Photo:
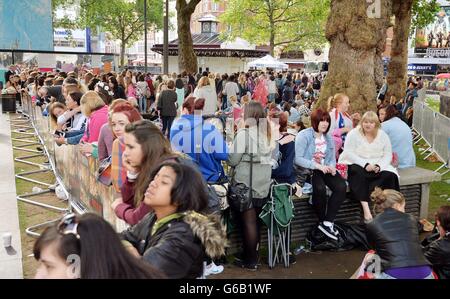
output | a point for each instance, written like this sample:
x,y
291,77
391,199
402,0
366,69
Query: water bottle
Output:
x,y
299,250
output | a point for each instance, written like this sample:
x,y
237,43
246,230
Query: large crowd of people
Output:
x,y
162,166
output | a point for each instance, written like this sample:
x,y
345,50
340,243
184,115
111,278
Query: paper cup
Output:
x,y
7,238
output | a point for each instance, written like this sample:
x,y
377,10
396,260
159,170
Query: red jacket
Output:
x,y
150,85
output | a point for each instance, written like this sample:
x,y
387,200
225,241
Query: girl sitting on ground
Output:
x,y
438,252
394,235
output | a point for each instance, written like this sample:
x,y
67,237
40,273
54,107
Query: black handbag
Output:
x,y
240,196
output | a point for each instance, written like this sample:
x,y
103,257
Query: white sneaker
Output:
x,y
212,269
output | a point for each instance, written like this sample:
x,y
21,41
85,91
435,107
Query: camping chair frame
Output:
x,y
277,241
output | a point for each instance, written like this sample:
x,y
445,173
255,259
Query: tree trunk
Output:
x,y
397,74
187,60
272,42
356,37
122,54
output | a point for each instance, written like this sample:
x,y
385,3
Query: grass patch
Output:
x,y
439,191
433,103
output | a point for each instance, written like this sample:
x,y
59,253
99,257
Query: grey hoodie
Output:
x,y
249,141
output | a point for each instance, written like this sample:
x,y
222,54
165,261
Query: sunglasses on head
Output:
x,y
69,225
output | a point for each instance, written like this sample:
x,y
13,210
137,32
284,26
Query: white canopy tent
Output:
x,y
267,62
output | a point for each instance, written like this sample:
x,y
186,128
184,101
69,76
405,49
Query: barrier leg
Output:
x,y
28,139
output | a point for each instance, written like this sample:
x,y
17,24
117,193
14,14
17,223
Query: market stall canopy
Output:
x,y
443,76
268,62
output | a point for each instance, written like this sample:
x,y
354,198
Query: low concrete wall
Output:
x,y
414,185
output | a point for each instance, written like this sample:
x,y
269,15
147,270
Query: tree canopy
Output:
x,y
123,19
291,24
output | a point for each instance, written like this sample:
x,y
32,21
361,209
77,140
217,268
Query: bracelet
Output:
x,y
366,166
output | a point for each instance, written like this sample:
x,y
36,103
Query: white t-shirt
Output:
x,y
271,86
231,89
321,147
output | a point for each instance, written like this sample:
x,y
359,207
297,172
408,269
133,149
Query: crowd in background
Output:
x,y
167,142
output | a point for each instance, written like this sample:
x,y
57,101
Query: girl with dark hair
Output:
x,y
87,247
250,155
314,149
174,237
400,136
438,251
77,120
284,170
118,90
145,147
167,107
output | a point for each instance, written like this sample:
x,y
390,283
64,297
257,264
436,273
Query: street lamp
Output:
x,y
166,40
145,36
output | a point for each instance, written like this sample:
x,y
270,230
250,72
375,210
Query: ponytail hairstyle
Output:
x,y
384,199
335,100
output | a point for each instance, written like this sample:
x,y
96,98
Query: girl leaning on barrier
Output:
x,y
86,247
175,237
145,147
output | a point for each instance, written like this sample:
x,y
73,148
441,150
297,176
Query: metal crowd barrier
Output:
x,y
433,128
28,136
75,172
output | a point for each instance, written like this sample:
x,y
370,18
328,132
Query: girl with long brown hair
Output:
x,y
145,147
250,155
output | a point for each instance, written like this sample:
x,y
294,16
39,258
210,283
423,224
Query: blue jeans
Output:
x,y
143,104
74,137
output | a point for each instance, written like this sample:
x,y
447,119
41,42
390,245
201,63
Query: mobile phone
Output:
x,y
59,133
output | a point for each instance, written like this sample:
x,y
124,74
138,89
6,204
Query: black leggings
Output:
x,y
167,124
327,209
250,227
362,182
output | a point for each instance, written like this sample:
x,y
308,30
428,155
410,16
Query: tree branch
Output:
x,y
289,4
294,40
190,7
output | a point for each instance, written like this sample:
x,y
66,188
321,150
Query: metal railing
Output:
x,y
28,136
433,128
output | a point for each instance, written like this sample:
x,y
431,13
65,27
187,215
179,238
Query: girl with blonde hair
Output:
x,y
341,120
395,238
368,154
206,91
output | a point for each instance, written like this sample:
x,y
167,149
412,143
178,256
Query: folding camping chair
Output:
x,y
277,214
